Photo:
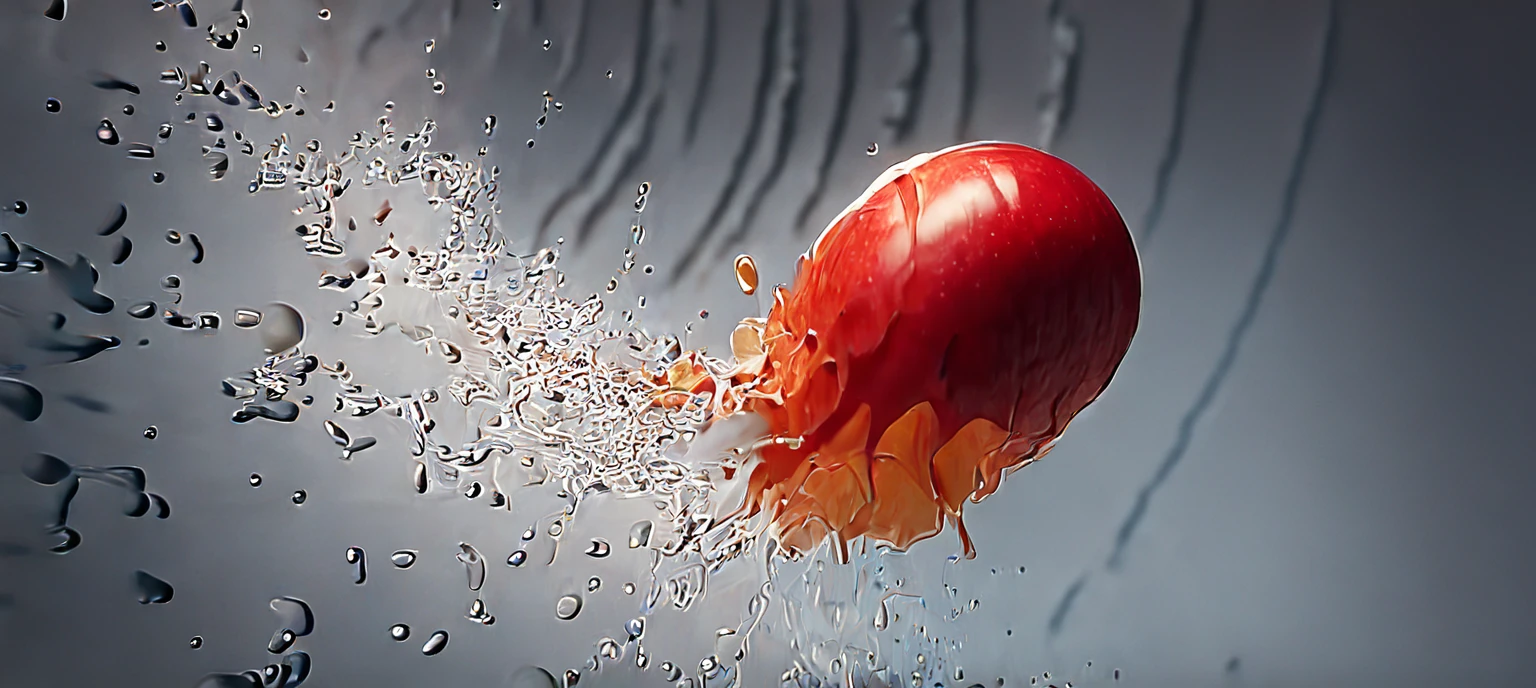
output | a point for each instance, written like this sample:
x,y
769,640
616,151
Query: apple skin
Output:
x,y
989,284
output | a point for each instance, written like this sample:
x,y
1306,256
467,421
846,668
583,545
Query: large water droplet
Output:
x,y
106,133
359,561
294,614
152,590
640,534
474,565
567,607
746,274
21,398
598,549
403,558
282,328
400,632
436,643
532,677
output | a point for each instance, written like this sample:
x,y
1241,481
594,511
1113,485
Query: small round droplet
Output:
x,y
106,133
609,74
872,149
151,432
196,642
53,105
172,236
429,45
19,207
746,274
517,558
703,315
299,496
170,282
255,480
567,607
128,109
403,559
400,632
436,643
594,584
530,143
159,46
628,588
598,549
439,87
547,44
325,15
495,4
158,177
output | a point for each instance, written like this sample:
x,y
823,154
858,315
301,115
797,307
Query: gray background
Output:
x,y
1328,414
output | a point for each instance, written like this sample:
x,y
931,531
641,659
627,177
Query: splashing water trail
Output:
x,y
845,427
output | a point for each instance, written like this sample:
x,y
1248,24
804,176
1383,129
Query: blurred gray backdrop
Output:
x,y
1313,466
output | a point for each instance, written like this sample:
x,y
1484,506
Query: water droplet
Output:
x,y
530,143
746,274
547,44
629,588
594,584
474,565
400,632
282,328
429,45
128,109
532,677
157,177
598,549
436,643
159,46
281,641
403,558
245,318
196,642
170,282
151,432
359,561
325,14
872,148
152,590
490,125
255,480
517,558
299,496
439,87
703,315
635,627
609,74
640,534
53,105
106,133
567,607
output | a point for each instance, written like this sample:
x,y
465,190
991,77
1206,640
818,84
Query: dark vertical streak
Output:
x,y
706,73
970,68
1256,292
846,83
1064,606
570,59
638,147
909,86
1061,80
629,162
369,40
1175,144
789,110
535,13
743,155
605,142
